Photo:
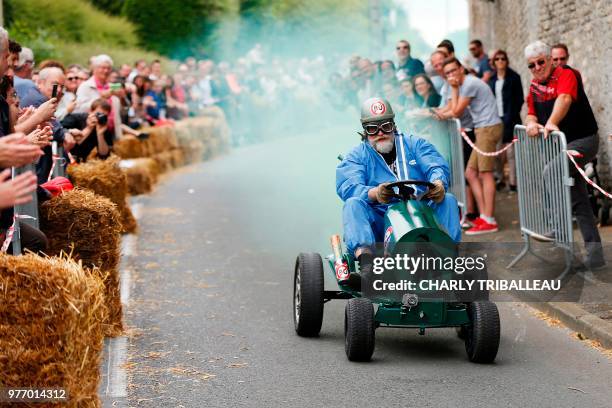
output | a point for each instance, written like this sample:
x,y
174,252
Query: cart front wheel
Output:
x,y
482,335
308,294
359,329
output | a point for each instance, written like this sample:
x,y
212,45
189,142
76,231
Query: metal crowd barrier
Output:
x,y
24,213
28,210
59,169
456,162
446,137
28,213
544,182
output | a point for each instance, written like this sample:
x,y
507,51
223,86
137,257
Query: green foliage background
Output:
x,y
73,30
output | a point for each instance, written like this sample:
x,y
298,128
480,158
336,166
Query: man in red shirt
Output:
x,y
557,102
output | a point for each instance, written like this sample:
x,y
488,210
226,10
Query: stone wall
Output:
x,y
584,25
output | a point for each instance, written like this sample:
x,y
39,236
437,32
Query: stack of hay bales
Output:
x,y
129,147
87,226
50,327
142,174
105,178
187,133
220,132
171,146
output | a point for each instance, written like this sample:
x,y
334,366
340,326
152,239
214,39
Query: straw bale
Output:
x,y
87,226
164,161
141,174
51,332
177,158
128,147
193,151
104,177
159,139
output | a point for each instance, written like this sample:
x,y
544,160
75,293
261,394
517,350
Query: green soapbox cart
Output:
x,y
408,221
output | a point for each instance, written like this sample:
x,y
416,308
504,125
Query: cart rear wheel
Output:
x,y
461,332
359,329
308,294
482,335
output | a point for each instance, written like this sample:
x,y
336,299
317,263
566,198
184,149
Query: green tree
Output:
x,y
112,7
176,29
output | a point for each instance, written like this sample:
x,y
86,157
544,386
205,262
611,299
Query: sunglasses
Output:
x,y
560,59
73,78
403,47
539,62
372,129
500,59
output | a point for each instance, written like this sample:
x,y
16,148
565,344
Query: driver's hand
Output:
x,y
384,194
436,193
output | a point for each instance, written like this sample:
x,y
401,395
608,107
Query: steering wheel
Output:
x,y
406,191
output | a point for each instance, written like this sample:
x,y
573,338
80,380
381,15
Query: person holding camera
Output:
x,y
94,132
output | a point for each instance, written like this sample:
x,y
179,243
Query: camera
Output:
x,y
102,118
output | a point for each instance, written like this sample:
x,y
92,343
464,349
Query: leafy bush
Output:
x,y
71,31
70,20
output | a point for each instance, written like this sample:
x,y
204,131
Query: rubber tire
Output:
x,y
461,332
359,329
482,337
309,268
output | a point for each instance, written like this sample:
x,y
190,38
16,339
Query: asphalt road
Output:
x,y
210,308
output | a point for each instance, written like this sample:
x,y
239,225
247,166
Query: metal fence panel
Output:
x,y
29,209
545,211
59,170
446,137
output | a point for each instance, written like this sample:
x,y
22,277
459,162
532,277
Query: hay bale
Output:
x,y
105,178
177,158
164,161
193,151
51,334
88,227
141,174
128,147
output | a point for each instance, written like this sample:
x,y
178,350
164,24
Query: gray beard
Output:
x,y
384,146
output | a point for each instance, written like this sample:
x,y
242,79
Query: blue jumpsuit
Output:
x,y
364,168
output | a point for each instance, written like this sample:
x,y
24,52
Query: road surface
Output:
x,y
210,306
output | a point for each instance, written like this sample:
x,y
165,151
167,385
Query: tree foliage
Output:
x,y
112,7
175,28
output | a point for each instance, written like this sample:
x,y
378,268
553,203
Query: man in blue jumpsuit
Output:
x,y
385,156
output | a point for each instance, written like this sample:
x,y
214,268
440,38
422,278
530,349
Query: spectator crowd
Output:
x,y
486,95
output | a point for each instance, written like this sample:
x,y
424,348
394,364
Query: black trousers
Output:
x,y
581,207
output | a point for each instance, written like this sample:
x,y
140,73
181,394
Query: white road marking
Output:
x,y
116,357
116,380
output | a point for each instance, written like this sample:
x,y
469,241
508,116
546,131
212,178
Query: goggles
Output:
x,y
372,129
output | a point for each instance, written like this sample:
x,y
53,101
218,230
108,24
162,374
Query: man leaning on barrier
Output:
x,y
557,102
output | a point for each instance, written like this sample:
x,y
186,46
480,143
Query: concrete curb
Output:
x,y
578,319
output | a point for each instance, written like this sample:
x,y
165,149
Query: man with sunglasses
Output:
x,y
407,67
560,54
384,156
557,101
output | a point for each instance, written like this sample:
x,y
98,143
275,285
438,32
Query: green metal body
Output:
x,y
409,222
